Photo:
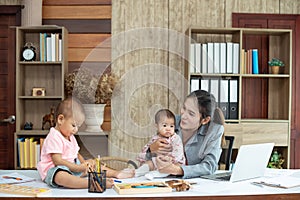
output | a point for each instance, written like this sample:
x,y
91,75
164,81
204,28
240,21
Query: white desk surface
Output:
x,y
202,188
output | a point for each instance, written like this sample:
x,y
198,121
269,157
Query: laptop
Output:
x,y
251,162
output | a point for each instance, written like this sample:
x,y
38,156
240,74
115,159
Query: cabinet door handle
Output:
x,y
11,119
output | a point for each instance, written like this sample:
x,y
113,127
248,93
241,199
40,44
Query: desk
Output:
x,y
204,189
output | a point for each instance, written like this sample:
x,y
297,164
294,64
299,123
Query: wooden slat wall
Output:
x,y
175,15
89,26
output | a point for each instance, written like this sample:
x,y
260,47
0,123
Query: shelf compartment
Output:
x,y
47,76
270,98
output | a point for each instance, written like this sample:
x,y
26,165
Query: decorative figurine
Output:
x,y
28,126
50,118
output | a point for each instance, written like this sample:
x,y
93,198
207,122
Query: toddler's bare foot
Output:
x,y
125,173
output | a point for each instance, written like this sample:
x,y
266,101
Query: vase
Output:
x,y
106,125
93,117
275,69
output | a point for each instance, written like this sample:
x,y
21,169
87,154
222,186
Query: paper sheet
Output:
x,y
13,178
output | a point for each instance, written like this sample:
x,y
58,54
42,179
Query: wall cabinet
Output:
x,y
263,100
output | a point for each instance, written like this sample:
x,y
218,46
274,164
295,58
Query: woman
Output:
x,y
201,138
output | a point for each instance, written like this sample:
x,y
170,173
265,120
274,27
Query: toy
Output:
x,y
179,185
23,190
49,118
142,188
28,126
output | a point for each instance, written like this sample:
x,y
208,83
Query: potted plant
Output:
x,y
94,90
275,65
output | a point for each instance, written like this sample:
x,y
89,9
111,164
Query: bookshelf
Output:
x,y
40,83
263,100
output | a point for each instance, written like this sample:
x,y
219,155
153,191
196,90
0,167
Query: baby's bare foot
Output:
x,y
126,173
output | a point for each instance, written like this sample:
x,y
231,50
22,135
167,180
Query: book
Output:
x,y
255,67
21,156
42,47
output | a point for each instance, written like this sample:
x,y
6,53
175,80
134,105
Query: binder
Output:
x,y
204,84
192,58
224,97
198,57
195,84
216,58
229,57
236,58
233,99
210,58
223,58
214,89
204,59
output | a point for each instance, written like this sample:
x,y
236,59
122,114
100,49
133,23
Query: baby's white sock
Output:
x,y
142,170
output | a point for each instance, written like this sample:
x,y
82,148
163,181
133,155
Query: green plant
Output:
x,y
276,62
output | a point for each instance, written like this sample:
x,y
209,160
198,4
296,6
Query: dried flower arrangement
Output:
x,y
89,87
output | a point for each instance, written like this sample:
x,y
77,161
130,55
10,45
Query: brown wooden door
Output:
x,y
10,16
283,21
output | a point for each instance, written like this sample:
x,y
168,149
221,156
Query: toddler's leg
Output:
x,y
67,180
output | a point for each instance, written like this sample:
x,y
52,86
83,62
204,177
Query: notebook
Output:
x,y
251,162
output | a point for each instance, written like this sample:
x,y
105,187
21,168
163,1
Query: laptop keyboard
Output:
x,y
223,176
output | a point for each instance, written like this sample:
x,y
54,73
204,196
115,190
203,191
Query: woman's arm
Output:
x,y
208,155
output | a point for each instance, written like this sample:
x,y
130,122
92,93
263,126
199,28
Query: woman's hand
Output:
x,y
165,165
161,146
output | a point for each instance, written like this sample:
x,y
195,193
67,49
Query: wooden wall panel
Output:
x,y
89,40
79,12
76,2
89,26
175,15
81,25
89,54
142,61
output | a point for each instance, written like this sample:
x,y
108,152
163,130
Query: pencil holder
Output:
x,y
97,182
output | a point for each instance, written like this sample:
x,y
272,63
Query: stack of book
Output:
x,y
50,47
29,150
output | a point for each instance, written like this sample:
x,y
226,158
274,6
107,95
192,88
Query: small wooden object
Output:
x,y
179,185
142,188
23,190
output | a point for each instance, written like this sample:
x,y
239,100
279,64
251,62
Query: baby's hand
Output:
x,y
91,163
109,182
